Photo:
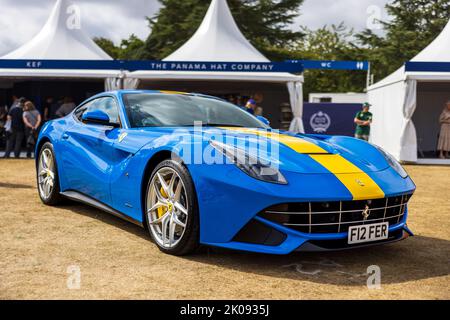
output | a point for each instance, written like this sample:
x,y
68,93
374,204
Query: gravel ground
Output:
x,y
41,246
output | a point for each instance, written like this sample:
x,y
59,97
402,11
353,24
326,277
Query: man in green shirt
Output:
x,y
363,119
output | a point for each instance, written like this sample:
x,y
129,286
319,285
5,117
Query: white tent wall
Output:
x,y
387,118
394,101
113,84
296,100
408,138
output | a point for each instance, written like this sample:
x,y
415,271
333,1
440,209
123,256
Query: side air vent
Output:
x,y
256,232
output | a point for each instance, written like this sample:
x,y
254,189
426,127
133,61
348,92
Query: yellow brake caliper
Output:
x,y
162,210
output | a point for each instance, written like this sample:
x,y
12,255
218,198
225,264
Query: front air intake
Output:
x,y
337,216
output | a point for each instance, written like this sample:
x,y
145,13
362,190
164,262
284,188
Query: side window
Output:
x,y
109,106
82,109
106,104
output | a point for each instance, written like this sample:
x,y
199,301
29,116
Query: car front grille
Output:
x,y
337,216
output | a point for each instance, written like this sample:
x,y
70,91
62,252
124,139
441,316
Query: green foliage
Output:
x,y
330,43
129,49
108,46
264,22
413,25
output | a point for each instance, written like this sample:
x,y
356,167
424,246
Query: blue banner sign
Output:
x,y
290,66
153,65
332,64
330,118
62,64
427,66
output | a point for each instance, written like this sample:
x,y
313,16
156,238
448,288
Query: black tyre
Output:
x,y
171,209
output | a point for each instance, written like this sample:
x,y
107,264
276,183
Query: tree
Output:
x,y
264,22
330,43
108,46
129,49
412,26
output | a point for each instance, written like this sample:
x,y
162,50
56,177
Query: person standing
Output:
x,y
3,128
16,134
15,101
258,98
363,120
65,108
250,106
32,120
50,109
444,135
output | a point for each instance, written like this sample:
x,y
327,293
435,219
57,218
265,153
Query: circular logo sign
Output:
x,y
320,122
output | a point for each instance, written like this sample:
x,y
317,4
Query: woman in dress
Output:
x,y
444,136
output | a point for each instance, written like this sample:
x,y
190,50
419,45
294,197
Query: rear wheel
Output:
x,y
47,176
171,209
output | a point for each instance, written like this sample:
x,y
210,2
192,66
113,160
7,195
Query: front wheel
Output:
x,y
171,209
47,176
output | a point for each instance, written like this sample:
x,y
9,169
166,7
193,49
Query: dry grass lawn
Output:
x,y
118,261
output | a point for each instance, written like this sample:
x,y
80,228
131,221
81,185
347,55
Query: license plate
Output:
x,y
368,232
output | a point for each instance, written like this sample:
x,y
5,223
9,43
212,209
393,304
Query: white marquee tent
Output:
x,y
405,96
218,39
61,38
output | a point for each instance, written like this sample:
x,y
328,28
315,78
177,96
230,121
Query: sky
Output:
x,y
20,20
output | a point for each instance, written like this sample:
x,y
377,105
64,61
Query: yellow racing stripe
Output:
x,y
171,92
358,183
295,143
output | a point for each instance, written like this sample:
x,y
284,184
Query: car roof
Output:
x,y
168,92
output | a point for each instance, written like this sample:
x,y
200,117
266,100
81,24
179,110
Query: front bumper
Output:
x,y
297,241
229,199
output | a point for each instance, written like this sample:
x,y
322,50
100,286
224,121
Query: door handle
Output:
x,y
65,136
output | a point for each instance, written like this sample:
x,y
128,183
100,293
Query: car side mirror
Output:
x,y
263,120
97,117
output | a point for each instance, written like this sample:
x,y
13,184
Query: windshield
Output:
x,y
173,110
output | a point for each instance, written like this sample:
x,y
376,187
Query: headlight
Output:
x,y
393,162
249,164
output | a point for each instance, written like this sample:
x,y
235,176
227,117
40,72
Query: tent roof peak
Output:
x,y
438,50
217,39
61,38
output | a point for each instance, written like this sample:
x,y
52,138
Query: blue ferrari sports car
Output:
x,y
194,169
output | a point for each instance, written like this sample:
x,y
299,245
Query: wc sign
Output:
x,y
333,64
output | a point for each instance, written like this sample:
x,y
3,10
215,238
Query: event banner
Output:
x,y
290,66
427,66
332,64
330,118
154,65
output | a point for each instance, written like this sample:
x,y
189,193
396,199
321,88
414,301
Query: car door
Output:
x,y
89,150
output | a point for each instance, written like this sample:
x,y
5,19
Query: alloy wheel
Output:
x,y
46,173
167,207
